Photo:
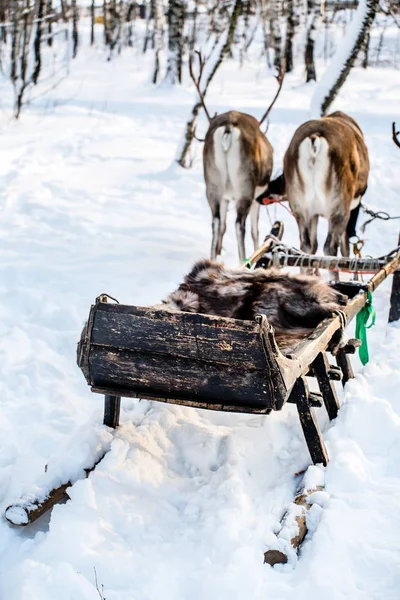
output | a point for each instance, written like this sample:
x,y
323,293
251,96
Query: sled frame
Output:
x,y
286,374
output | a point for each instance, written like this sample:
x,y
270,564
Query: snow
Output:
x,y
185,502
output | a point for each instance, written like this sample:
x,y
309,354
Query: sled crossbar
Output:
x,y
278,258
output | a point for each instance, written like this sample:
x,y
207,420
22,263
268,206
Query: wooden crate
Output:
x,y
194,359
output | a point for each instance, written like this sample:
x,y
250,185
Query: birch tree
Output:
x,y
289,36
176,12
345,57
75,34
276,35
313,12
38,40
220,51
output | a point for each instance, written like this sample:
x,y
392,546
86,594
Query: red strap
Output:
x,y
268,201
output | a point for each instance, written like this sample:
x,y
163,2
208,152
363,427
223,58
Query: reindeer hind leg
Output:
x,y
254,216
222,225
242,209
214,196
313,229
336,234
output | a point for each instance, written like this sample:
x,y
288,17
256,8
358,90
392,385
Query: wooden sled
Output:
x,y
217,363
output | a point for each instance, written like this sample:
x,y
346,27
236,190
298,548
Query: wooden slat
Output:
x,y
129,393
172,376
185,335
333,263
321,368
309,423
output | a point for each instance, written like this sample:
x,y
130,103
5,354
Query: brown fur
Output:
x,y
250,179
294,304
345,184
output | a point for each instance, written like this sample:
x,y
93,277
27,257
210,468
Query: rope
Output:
x,y
268,201
380,214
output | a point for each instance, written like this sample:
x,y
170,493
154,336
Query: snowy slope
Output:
x,y
185,502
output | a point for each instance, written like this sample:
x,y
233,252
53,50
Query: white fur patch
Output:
x,y
314,169
227,158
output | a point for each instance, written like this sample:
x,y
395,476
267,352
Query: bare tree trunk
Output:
x,y
106,23
158,28
15,41
38,41
4,7
193,35
225,49
313,7
75,35
92,20
147,35
130,16
245,29
366,51
289,37
175,41
344,61
380,44
264,16
114,26
49,10
276,35
21,81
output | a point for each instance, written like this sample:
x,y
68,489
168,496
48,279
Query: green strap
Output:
x,y
363,317
247,262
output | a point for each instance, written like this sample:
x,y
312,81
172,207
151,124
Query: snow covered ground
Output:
x,y
185,502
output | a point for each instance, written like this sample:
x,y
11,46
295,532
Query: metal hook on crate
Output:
x,y
357,244
103,298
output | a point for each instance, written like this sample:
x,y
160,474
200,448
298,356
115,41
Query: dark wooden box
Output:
x,y
192,359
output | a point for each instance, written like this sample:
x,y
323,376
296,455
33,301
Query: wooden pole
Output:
x,y
294,520
276,232
26,510
333,263
112,407
394,313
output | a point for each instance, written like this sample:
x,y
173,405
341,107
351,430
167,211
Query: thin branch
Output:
x,y
197,81
97,585
395,135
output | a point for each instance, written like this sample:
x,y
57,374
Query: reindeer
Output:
x,y
325,174
237,161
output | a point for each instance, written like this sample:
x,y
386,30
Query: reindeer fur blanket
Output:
x,y
293,304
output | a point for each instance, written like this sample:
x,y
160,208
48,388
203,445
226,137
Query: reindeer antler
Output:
x,y
197,138
280,77
197,81
395,134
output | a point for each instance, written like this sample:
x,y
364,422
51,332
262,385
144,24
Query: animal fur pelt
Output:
x,y
293,304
